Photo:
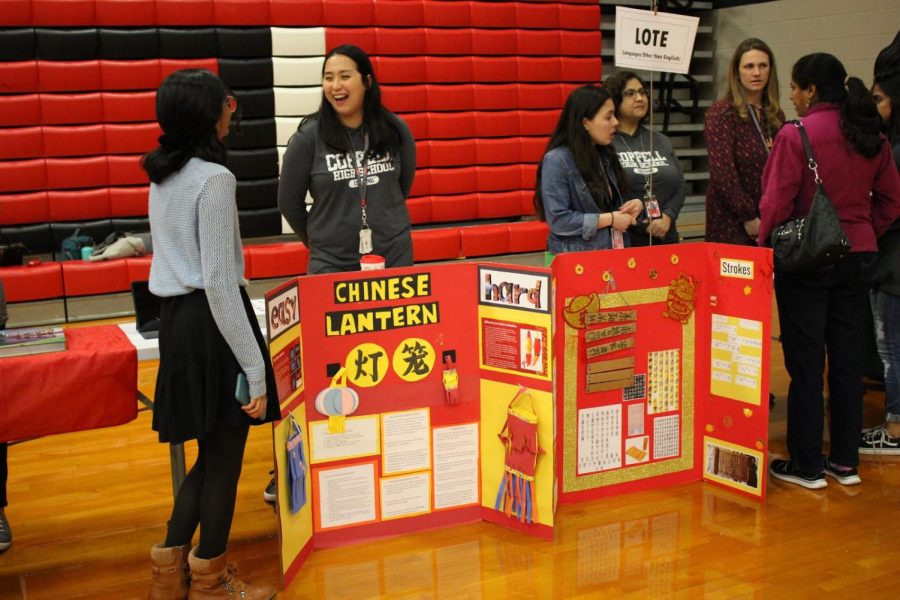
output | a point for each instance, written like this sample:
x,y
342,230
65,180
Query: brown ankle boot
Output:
x,y
216,578
170,574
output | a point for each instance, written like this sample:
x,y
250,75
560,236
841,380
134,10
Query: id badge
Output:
x,y
651,207
618,240
365,241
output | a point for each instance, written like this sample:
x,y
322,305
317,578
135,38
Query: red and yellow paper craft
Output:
x,y
516,496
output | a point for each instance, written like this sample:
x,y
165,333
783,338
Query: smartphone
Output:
x,y
242,390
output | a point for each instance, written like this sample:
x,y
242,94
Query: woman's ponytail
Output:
x,y
860,121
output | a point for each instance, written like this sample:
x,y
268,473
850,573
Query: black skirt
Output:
x,y
198,372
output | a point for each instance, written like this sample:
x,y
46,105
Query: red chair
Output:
x,y
494,97
439,13
21,142
125,12
421,184
277,260
538,42
241,12
83,278
63,12
449,41
538,69
461,207
537,122
452,125
23,175
449,69
69,76
128,201
18,110
126,170
497,124
31,283
498,151
494,41
587,70
435,244
19,77
79,205
348,12
69,173
398,13
400,70
484,240
418,124
131,138
364,37
130,74
531,149
296,12
537,15
453,181
419,209
71,109
405,98
580,43
575,16
77,140
527,236
184,12
493,14
128,107
498,205
541,95
496,179
493,69
450,97
18,209
138,268
17,13
400,41
451,153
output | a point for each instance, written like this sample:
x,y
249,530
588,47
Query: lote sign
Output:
x,y
654,42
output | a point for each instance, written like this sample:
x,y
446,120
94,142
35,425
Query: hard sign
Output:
x,y
654,42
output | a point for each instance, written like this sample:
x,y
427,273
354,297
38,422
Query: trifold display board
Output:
x,y
444,394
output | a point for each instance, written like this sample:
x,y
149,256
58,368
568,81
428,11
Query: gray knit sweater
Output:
x,y
197,245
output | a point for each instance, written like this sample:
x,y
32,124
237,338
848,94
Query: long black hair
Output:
x,y
887,77
860,121
584,103
383,131
189,104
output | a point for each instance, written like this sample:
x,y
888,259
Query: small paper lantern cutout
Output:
x,y
337,401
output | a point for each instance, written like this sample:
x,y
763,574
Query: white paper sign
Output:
x,y
660,42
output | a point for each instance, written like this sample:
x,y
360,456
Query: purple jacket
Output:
x,y
788,184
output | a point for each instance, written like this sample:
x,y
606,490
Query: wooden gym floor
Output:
x,y
85,508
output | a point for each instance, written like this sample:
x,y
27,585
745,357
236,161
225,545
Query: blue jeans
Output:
x,y
886,312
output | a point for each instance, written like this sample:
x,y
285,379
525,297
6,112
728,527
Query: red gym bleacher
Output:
x,y
480,85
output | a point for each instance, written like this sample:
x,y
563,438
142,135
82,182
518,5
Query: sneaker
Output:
x,y
844,476
879,441
785,471
270,494
5,532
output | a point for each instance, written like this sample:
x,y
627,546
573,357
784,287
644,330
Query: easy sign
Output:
x,y
654,42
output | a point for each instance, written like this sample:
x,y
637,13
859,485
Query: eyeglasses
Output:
x,y
632,93
231,103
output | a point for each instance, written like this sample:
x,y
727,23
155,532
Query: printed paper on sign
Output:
x,y
654,42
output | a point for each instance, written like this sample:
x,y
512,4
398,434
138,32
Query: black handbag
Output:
x,y
817,240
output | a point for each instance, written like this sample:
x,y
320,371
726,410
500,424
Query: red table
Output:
x,y
92,384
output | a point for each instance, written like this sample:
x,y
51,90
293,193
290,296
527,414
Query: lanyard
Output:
x,y
767,141
362,168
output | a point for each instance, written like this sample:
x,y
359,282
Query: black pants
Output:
x,y
4,473
207,496
821,314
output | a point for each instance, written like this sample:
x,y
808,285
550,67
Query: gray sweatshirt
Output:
x,y
330,229
662,165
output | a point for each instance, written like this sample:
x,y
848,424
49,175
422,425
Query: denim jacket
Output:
x,y
570,209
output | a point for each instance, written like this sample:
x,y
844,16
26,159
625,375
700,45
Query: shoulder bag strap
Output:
x,y
810,160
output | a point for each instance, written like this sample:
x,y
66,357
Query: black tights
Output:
x,y
207,496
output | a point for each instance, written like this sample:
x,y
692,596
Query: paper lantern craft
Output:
x,y
297,466
337,401
516,496
450,379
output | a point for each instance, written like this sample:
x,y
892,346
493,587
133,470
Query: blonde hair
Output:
x,y
735,92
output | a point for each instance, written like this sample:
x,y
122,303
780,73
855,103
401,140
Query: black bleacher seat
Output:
x,y
252,133
194,42
256,103
17,44
98,230
254,164
67,44
244,42
37,238
253,73
131,225
129,44
257,193
259,223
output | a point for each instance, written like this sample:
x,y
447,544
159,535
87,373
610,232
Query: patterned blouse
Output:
x,y
737,156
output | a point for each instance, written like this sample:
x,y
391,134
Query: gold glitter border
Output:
x,y
574,483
